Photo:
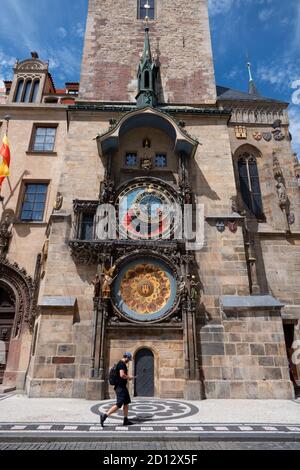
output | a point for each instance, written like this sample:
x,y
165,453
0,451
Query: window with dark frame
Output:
x,y
44,139
143,12
87,226
161,160
34,202
250,185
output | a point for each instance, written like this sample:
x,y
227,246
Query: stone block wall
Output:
x,y
245,357
61,364
168,350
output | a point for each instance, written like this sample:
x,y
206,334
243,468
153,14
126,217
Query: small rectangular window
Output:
x,y
87,226
34,202
43,139
131,160
161,160
146,8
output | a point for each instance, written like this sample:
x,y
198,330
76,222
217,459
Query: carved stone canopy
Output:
x,y
20,287
31,65
147,117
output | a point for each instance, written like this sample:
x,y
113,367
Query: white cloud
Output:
x,y
265,14
6,66
62,32
219,6
294,115
281,72
79,30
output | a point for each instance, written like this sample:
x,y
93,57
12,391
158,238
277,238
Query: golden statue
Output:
x,y
108,279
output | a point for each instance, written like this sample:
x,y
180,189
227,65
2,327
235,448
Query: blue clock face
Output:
x,y
146,212
145,290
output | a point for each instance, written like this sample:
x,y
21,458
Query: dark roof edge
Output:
x,y
226,94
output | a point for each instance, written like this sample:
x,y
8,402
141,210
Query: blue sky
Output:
x,y
266,31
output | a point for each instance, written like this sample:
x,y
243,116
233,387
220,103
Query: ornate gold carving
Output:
x,y
241,132
145,289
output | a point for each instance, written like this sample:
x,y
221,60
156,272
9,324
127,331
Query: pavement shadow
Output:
x,y
142,418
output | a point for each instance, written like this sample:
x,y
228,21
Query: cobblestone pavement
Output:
x,y
128,446
168,421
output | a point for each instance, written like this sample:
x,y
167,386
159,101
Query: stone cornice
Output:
x,y
124,108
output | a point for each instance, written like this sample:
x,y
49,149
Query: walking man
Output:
x,y
123,397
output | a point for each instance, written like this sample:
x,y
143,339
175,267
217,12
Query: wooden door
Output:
x,y
144,371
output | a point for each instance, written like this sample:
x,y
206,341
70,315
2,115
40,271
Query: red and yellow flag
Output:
x,y
4,160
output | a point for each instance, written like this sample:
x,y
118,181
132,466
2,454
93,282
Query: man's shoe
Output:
x,y
127,422
103,418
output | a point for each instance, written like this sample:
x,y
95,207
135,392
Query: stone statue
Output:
x,y
97,286
58,202
194,289
107,191
234,204
5,235
147,163
281,191
107,281
182,289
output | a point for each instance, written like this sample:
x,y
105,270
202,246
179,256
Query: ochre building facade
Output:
x,y
93,261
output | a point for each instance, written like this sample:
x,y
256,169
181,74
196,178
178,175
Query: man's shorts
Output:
x,y
123,397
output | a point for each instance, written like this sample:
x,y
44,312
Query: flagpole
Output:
x,y
7,118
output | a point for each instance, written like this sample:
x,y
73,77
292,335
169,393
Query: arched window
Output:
x,y
143,12
19,91
35,90
249,183
147,79
26,97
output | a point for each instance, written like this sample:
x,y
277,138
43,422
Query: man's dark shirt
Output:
x,y
121,366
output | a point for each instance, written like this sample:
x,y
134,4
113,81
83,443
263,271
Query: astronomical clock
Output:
x,y
145,289
146,211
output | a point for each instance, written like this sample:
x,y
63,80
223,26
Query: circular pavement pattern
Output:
x,y
149,409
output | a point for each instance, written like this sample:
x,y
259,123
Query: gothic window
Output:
x,y
35,90
19,91
87,226
131,160
160,160
27,92
43,139
143,11
147,79
34,202
250,185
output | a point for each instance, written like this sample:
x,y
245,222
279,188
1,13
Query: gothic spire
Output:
x,y
147,74
252,87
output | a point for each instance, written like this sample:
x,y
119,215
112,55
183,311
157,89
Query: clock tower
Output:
x,y
180,40
147,139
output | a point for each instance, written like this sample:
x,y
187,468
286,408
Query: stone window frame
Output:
x,y
22,193
140,7
133,167
254,153
36,126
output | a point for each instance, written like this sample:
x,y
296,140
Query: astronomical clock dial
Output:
x,y
145,290
146,212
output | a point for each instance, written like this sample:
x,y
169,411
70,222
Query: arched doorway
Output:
x,y
17,316
144,372
7,316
